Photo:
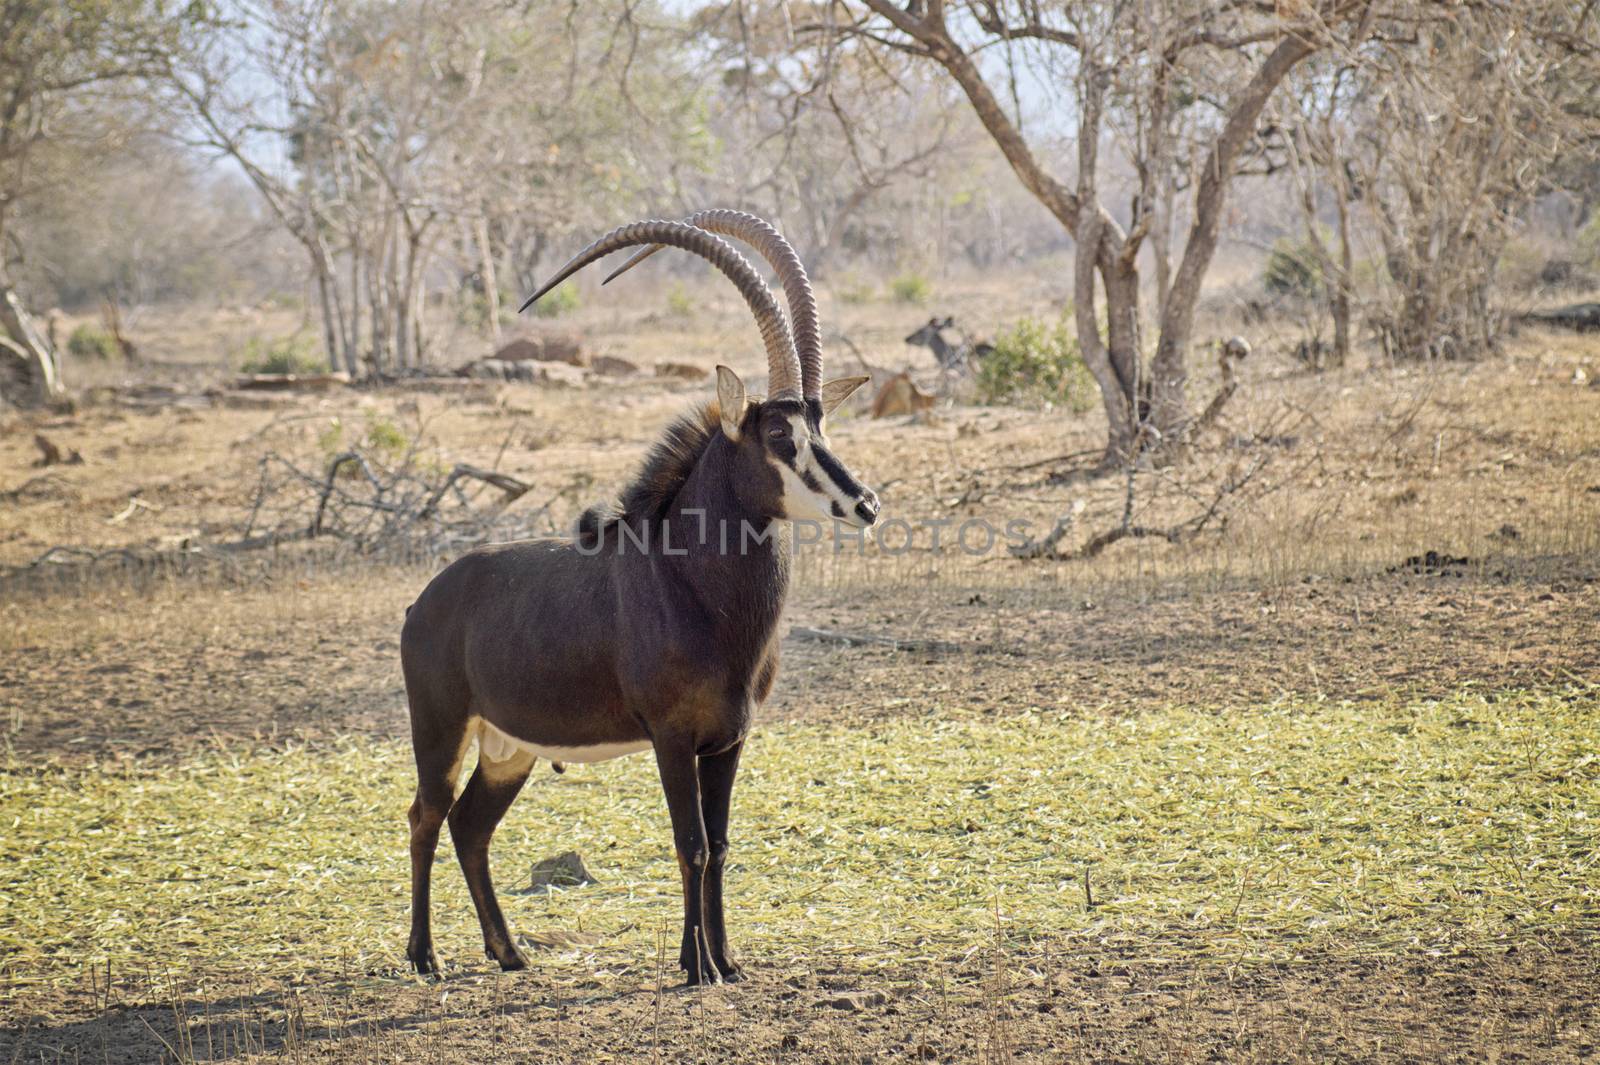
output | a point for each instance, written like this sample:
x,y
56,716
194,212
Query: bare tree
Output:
x,y
1459,123
58,60
386,138
1170,85
1316,122
821,146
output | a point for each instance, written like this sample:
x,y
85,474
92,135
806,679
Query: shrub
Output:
x,y
679,303
563,300
290,354
386,438
473,309
911,288
92,342
380,438
856,291
1291,270
1036,361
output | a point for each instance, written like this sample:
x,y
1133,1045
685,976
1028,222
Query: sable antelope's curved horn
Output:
x,y
785,262
783,365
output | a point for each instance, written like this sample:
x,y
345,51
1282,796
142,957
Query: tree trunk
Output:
x,y
1117,399
1168,374
330,316
1121,283
29,373
486,274
1161,247
1340,302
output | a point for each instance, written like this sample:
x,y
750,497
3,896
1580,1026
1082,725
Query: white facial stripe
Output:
x,y
800,500
830,489
800,503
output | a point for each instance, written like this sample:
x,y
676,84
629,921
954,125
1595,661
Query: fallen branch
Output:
x,y
135,504
1172,534
1227,355
34,486
1046,544
513,487
856,639
339,463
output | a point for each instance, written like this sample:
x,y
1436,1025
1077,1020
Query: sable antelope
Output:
x,y
949,356
655,627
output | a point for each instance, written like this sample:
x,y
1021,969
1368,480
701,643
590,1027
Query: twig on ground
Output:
x,y
1046,544
856,639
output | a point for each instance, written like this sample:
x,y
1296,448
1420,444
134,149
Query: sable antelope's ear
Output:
x,y
837,391
731,401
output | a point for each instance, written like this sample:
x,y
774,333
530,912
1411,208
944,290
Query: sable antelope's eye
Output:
x,y
777,433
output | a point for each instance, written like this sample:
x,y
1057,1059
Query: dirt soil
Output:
x,y
1517,1001
164,672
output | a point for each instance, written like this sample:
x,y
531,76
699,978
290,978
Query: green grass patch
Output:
x,y
92,342
283,355
1260,832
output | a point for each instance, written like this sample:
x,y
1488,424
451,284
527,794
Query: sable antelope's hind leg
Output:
x,y
438,751
716,791
680,780
488,795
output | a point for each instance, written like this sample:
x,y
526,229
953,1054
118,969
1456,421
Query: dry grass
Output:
x,y
1258,833
1359,469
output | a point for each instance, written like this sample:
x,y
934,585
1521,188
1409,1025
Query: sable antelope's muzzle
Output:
x,y
867,508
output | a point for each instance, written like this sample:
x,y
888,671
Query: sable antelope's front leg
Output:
x,y
681,781
716,791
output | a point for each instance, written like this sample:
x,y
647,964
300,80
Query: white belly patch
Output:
x,y
498,746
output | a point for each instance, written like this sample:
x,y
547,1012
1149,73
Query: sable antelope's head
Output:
x,y
783,464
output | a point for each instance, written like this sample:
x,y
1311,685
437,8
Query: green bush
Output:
x,y
679,303
911,288
380,438
1035,361
855,291
1292,269
564,300
92,342
386,438
473,309
290,354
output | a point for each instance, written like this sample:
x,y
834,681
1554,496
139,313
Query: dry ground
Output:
x,y
1300,594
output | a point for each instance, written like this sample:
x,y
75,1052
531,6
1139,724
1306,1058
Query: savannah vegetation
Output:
x,y
1271,737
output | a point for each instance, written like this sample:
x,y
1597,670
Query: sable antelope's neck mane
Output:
x,y
667,466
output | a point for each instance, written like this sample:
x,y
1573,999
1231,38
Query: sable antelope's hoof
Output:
x,y
511,961
733,975
700,975
425,963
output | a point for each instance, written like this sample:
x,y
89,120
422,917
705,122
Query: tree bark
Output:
x,y
1344,283
486,275
1168,372
29,373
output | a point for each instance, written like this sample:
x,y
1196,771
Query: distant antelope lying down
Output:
x,y
656,627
